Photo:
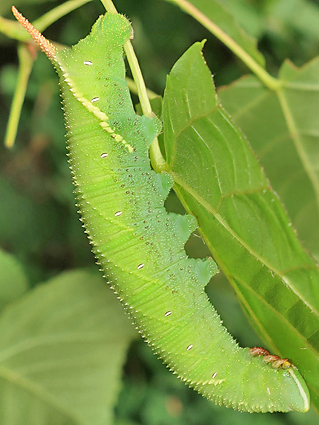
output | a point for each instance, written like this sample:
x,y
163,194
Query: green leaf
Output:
x,y
213,15
301,15
219,180
283,129
14,30
248,16
13,281
61,352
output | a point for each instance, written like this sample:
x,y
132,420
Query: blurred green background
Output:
x,y
38,220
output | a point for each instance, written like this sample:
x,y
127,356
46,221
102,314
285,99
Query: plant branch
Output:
x,y
58,12
14,30
25,67
157,160
269,81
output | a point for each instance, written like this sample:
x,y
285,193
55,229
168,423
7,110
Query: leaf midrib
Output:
x,y
39,392
295,137
33,342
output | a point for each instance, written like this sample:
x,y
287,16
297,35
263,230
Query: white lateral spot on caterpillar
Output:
x,y
104,155
118,213
268,390
140,266
214,375
168,313
189,347
95,99
88,63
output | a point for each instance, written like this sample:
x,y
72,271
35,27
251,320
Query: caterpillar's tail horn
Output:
x,y
45,45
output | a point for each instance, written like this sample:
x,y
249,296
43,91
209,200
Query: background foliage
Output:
x,y
39,226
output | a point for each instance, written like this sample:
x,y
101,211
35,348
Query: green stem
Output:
x,y
134,66
25,67
58,12
269,81
109,6
14,30
138,79
157,160
133,89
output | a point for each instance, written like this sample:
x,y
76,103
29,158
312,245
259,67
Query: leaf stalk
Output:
x,y
157,160
269,81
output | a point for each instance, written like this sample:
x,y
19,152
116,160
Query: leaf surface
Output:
x,y
219,180
61,352
283,129
13,281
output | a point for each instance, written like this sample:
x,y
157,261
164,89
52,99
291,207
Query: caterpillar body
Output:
x,y
139,245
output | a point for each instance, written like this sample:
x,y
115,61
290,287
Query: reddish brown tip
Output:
x,y
41,41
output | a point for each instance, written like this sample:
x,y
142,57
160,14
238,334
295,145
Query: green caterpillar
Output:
x,y
140,246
